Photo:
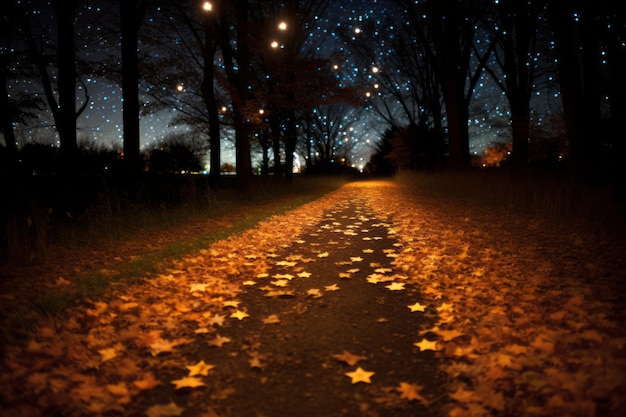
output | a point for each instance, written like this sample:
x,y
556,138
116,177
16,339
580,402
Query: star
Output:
x,y
271,319
286,263
395,286
322,255
411,392
239,315
249,283
345,275
304,274
360,375
200,368
314,292
426,345
416,307
368,250
217,319
349,358
231,303
333,287
356,259
218,341
188,381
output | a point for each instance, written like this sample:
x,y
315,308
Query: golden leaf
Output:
x,y
360,375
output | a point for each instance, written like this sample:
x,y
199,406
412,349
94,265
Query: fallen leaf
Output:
x,y
349,358
188,382
201,368
360,375
239,315
271,319
411,392
416,307
146,382
218,341
168,410
426,345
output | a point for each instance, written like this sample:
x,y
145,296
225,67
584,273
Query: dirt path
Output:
x,y
372,301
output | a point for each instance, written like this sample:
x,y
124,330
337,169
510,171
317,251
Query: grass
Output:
x,y
555,197
228,211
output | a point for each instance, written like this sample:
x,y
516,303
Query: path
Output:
x,y
376,300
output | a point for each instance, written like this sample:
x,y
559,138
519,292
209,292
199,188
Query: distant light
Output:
x,y
375,70
261,111
180,88
357,30
274,44
207,6
282,26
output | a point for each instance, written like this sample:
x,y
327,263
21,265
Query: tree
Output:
x,y
62,104
131,14
582,32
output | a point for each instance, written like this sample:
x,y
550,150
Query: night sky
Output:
x,y
101,123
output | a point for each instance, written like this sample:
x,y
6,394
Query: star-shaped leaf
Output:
x,y
162,346
360,375
148,381
272,319
426,345
239,315
167,410
218,341
349,358
217,319
188,382
411,392
200,368
314,292
395,286
417,307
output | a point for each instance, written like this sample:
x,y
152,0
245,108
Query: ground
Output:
x,y
375,300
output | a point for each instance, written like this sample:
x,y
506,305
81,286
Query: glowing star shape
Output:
x,y
314,292
239,315
333,287
218,341
304,274
200,368
417,307
162,346
286,263
231,303
217,319
188,382
411,392
322,255
355,259
395,286
368,250
345,275
249,283
360,375
426,345
349,358
284,276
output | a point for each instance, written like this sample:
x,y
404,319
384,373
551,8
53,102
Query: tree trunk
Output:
x,y
7,112
129,19
210,99
65,11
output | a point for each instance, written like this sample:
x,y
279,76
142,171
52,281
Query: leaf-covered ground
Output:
x,y
375,300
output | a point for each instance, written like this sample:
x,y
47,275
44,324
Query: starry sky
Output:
x,y
101,123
